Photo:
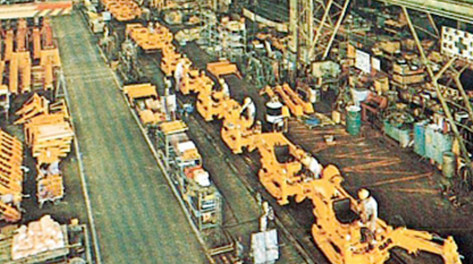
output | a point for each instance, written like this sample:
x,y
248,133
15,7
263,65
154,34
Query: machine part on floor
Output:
x,y
188,35
171,59
291,99
237,130
223,67
45,241
184,163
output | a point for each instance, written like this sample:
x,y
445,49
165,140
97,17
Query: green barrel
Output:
x,y
449,164
353,120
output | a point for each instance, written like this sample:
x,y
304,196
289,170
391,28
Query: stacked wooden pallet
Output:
x,y
49,135
11,177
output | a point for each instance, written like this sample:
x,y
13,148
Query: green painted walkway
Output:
x,y
137,217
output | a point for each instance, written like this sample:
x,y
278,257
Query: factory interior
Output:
x,y
236,131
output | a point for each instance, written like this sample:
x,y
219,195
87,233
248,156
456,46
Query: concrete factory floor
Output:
x,y
137,217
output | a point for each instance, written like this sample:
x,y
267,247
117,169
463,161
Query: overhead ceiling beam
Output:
x,y
453,9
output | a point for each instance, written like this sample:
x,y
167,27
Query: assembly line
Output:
x,y
236,131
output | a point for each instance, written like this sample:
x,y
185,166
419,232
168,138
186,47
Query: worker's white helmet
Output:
x,y
221,81
247,100
363,194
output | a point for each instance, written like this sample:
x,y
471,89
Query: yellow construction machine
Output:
x,y
337,230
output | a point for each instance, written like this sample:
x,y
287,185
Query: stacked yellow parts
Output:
x,y
49,134
11,177
123,10
152,38
151,111
24,75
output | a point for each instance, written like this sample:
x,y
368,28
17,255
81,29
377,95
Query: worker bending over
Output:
x,y
368,209
314,168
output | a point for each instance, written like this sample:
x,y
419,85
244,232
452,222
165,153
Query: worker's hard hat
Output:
x,y
363,194
221,80
247,100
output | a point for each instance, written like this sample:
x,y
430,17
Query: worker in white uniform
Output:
x,y
178,74
170,99
224,86
368,209
312,165
250,107
315,168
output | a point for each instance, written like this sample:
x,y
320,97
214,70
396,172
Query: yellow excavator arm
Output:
x,y
414,241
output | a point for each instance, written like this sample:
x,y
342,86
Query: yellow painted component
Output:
x,y
49,155
195,82
11,175
306,106
223,67
123,10
9,213
160,38
49,60
149,117
36,43
291,99
170,60
20,65
34,106
137,91
9,44
173,127
50,188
